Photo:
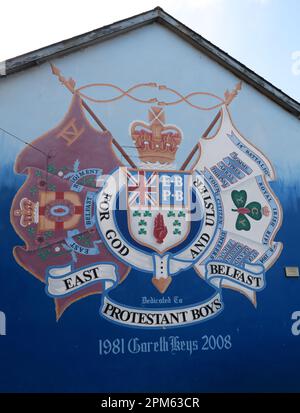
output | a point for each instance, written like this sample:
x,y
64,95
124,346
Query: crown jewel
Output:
x,y
156,141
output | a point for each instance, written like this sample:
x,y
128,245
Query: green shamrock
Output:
x,y
253,210
147,214
176,231
136,213
142,231
142,222
31,231
176,223
171,214
51,169
33,190
181,214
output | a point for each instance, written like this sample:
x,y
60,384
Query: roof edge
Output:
x,y
38,56
232,64
157,14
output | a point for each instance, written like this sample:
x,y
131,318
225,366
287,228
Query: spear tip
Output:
x,y
229,96
238,86
55,69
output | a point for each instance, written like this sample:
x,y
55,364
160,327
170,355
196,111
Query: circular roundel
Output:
x,y
59,210
132,235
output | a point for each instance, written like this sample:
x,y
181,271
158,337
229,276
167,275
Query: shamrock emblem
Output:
x,y
147,214
142,231
136,213
171,214
142,222
176,223
253,210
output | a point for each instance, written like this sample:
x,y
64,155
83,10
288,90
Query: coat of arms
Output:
x,y
88,219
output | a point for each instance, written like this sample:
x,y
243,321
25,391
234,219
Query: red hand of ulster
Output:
x,y
160,230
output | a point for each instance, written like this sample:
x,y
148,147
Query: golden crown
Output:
x,y
156,141
28,212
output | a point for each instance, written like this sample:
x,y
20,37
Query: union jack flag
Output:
x,y
142,188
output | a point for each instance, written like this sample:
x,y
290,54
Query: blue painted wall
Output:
x,y
40,354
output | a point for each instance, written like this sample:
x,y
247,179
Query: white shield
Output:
x,y
158,207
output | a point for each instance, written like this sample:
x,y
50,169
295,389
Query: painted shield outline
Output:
x,y
175,217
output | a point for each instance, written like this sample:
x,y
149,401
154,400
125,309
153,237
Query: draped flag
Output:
x,y
240,173
53,212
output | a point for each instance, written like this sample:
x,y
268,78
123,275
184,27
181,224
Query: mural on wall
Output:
x,y
88,220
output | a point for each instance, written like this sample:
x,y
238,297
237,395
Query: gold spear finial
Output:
x,y
68,83
229,96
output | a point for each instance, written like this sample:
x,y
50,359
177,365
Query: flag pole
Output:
x,y
70,85
229,96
